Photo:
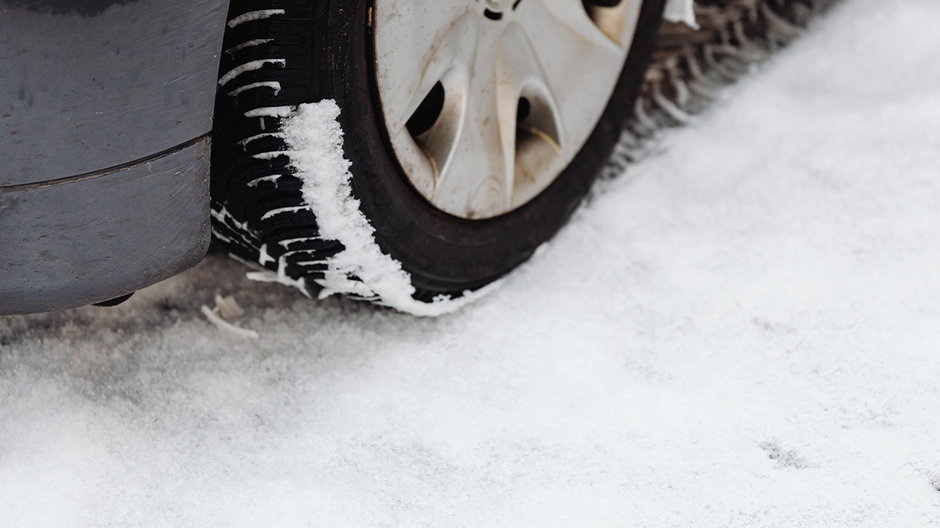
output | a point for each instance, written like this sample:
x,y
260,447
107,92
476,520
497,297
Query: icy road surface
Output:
x,y
743,331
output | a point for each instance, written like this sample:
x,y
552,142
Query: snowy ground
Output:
x,y
742,331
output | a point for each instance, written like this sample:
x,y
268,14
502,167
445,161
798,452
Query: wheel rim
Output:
x,y
487,101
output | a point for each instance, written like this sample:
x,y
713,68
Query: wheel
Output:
x,y
411,152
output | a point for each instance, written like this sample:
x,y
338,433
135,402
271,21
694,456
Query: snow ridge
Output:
x,y
681,11
314,140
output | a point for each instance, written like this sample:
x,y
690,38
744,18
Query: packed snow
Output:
x,y
740,331
681,11
314,140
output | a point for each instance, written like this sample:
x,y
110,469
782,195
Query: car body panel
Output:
x,y
91,84
86,240
105,111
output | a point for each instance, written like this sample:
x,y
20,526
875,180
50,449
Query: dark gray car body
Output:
x,y
105,113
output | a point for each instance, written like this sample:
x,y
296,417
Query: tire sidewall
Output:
x,y
444,253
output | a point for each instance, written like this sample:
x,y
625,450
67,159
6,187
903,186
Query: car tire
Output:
x,y
278,54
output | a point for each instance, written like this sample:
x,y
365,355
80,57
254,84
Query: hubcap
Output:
x,y
487,101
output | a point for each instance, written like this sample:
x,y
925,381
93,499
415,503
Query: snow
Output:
x,y
273,85
681,11
314,139
248,44
213,316
246,67
740,331
271,111
251,16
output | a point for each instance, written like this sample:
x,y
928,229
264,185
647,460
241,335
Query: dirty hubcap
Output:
x,y
487,101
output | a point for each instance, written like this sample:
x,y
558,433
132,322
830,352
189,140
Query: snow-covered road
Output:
x,y
744,330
